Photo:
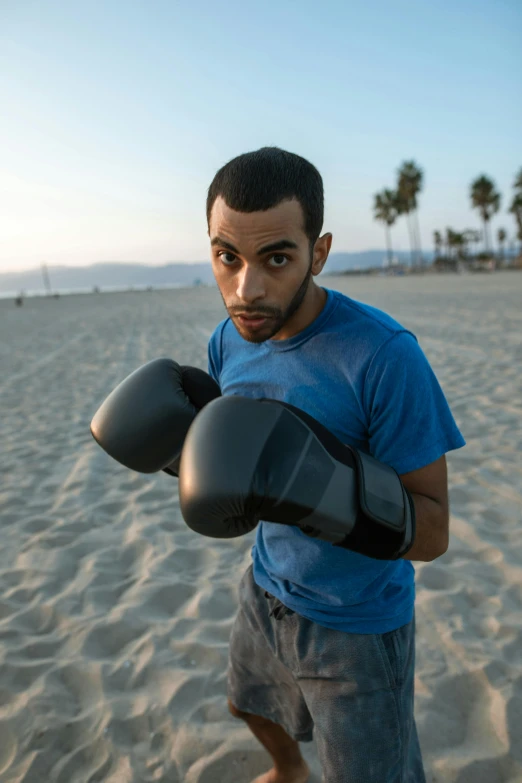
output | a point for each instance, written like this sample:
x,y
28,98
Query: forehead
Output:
x,y
285,219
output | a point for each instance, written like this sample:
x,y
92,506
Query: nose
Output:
x,y
250,287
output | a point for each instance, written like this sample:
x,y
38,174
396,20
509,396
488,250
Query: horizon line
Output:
x,y
159,264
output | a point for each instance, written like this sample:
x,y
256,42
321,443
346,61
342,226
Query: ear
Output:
x,y
321,250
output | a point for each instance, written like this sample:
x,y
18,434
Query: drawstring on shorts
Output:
x,y
278,610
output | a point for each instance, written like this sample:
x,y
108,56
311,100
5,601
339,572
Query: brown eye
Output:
x,y
227,261
279,259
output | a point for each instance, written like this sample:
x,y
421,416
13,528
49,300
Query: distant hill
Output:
x,y
366,259
106,276
124,275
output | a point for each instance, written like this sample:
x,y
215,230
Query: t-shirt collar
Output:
x,y
315,326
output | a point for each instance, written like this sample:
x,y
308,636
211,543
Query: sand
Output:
x,y
115,618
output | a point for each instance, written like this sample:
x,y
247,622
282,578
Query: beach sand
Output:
x,y
115,617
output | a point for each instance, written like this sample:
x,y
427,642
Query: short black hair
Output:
x,y
260,180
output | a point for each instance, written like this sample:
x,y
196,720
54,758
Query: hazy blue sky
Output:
x,y
116,115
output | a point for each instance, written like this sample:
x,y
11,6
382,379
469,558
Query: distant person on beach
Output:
x,y
323,643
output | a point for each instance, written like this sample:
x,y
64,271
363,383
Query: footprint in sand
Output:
x,y
8,747
109,639
435,577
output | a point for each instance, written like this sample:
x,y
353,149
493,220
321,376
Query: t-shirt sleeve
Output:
x,y
410,423
214,354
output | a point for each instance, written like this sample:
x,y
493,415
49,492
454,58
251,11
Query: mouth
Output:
x,y
252,321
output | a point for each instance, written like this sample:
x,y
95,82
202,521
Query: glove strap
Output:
x,y
385,525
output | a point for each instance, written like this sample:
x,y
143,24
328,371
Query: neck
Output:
x,y
311,307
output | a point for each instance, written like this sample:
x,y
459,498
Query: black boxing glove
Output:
x,y
247,460
143,423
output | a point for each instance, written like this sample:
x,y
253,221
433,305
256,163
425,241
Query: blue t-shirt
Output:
x,y
364,377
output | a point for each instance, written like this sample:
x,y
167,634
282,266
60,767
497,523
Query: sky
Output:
x,y
115,116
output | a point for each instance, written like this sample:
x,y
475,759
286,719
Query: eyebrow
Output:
x,y
282,244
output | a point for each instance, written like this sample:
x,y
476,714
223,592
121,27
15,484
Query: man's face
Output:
x,y
263,267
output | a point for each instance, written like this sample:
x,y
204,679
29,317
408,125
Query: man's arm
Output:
x,y
428,487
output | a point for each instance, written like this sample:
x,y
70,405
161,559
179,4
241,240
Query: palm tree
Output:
x,y
460,245
408,187
437,241
450,241
486,199
456,247
403,208
517,184
385,209
501,236
516,210
464,243
471,237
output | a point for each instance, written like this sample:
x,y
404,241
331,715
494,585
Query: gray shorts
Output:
x,y
352,693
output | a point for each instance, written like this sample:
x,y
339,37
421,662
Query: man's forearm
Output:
x,y
431,537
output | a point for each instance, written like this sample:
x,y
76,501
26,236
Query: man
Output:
x,y
324,639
